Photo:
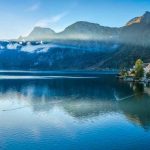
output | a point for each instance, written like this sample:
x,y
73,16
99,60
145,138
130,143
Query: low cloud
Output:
x,y
52,20
58,17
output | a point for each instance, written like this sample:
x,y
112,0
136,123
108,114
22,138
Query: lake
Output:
x,y
72,111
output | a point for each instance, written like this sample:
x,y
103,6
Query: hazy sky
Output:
x,y
18,17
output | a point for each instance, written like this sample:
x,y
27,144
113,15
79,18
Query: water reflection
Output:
x,y
138,89
136,109
75,113
80,98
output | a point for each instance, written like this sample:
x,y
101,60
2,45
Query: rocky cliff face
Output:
x,y
145,19
137,31
135,20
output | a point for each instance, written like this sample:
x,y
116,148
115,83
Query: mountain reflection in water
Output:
x,y
73,111
80,98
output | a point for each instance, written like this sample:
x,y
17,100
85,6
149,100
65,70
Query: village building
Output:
x,y
146,67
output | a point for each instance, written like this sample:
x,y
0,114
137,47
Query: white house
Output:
x,y
147,68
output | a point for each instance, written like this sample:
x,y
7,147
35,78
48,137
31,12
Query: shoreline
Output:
x,y
132,79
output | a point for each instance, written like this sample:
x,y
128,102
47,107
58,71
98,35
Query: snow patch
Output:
x,y
2,47
11,46
39,48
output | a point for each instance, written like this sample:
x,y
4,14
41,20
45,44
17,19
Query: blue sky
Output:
x,y
18,17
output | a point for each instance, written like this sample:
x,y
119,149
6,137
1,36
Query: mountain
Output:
x,y
135,20
89,31
78,31
82,45
51,56
39,33
137,31
145,19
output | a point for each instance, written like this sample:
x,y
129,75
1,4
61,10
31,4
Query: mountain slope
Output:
x,y
136,32
40,33
145,19
82,45
85,30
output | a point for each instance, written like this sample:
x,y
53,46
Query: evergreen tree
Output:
x,y
139,70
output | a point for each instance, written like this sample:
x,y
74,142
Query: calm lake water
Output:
x,y
72,111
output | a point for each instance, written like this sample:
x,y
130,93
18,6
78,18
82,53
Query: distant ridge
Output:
x,y
39,33
136,31
81,46
81,30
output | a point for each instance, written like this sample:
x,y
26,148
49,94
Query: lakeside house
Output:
x,y
139,73
146,67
